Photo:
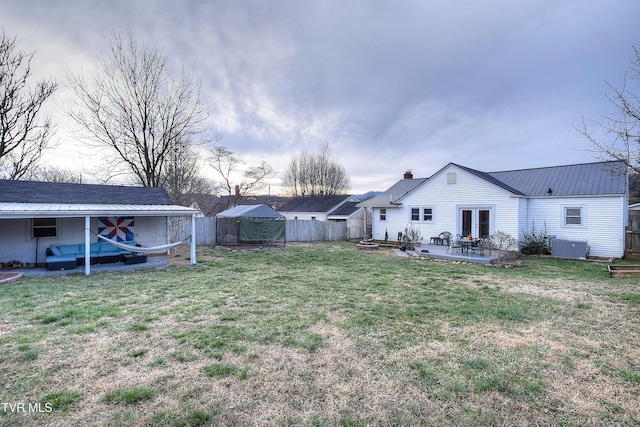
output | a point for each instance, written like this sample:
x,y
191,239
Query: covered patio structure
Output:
x,y
37,215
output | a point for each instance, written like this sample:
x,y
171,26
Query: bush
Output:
x,y
505,245
535,242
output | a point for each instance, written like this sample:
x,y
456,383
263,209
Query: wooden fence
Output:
x,y
632,237
297,230
315,231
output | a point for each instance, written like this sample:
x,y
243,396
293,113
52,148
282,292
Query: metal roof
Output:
x,y
60,210
250,211
587,179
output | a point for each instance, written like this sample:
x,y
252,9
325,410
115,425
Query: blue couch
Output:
x,y
68,257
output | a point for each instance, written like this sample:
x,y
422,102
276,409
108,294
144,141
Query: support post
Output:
x,y
87,245
193,239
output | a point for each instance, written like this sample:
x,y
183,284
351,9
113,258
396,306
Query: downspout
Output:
x,y
193,239
87,245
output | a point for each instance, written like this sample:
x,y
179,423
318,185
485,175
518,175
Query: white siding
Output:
x,y
319,216
16,242
447,199
604,222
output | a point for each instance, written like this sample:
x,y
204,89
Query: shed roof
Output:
x,y
250,211
313,203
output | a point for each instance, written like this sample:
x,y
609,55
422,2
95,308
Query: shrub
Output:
x,y
505,245
535,242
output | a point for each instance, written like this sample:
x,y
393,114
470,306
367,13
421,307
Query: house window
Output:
x,y
427,214
383,214
415,214
45,227
574,216
451,178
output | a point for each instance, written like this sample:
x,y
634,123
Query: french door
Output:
x,y
475,221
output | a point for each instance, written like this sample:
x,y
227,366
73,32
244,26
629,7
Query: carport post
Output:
x,y
87,245
193,239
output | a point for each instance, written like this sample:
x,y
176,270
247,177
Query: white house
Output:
x,y
36,215
583,202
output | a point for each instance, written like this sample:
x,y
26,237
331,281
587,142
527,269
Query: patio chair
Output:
x,y
482,247
453,245
445,236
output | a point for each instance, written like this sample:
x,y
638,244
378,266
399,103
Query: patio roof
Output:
x,y
68,210
33,199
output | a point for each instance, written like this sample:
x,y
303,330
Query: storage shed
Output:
x,y
250,224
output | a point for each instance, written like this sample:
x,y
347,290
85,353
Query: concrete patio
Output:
x,y
443,252
152,262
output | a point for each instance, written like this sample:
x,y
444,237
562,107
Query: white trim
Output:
x,y
583,215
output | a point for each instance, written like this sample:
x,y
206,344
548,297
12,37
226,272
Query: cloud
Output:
x,y
389,84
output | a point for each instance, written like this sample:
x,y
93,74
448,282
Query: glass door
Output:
x,y
475,221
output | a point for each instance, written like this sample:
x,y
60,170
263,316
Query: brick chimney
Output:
x,y
408,174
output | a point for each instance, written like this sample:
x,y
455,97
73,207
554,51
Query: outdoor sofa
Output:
x,y
68,257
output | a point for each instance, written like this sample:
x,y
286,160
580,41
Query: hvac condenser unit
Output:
x,y
569,248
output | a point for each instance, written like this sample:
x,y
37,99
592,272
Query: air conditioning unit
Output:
x,y
569,248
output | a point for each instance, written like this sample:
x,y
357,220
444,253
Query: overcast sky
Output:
x,y
390,84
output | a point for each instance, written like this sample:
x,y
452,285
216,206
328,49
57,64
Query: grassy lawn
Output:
x,y
323,335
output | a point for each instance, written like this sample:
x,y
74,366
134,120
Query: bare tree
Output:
x,y
22,137
132,107
622,128
229,164
182,179
54,174
315,174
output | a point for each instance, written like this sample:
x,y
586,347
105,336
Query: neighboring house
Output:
x,y
337,208
36,215
584,202
314,207
355,218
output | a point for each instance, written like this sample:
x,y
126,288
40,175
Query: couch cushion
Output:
x,y
55,250
69,249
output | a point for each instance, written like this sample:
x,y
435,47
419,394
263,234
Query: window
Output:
x,y
415,214
574,216
45,227
383,214
427,214
451,178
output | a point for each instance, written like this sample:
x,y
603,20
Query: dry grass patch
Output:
x,y
323,335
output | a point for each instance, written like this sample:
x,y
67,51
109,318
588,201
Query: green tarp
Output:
x,y
262,230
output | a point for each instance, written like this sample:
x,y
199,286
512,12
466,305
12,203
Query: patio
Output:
x,y
440,251
152,262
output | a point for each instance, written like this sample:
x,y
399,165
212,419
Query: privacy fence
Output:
x,y
296,230
632,238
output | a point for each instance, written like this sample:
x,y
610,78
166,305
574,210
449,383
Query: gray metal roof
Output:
x,y
59,210
88,194
491,179
250,211
313,203
587,179
390,197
